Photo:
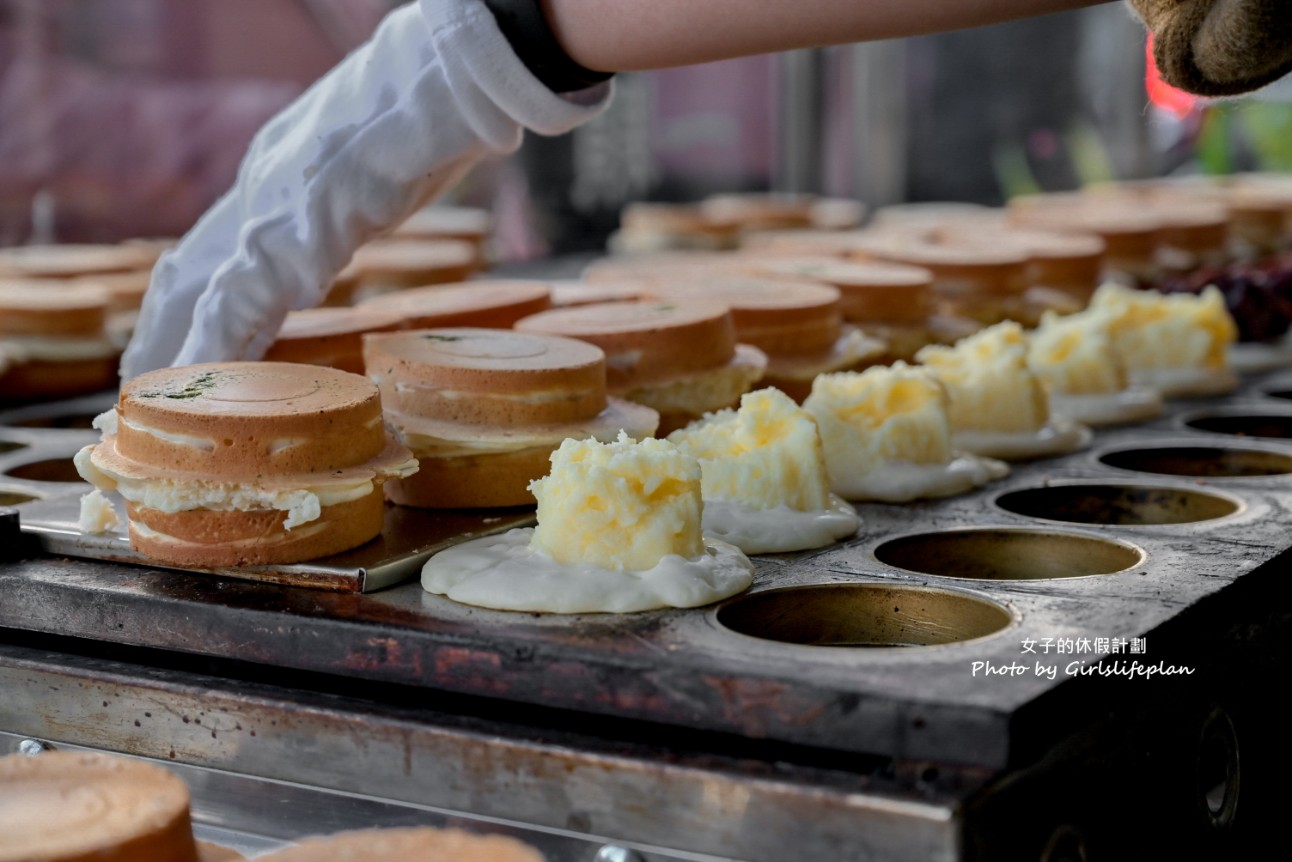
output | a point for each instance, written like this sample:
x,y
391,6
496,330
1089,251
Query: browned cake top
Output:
x,y
402,257
488,376
33,307
312,323
871,291
82,807
125,289
646,342
239,419
1053,258
329,336
486,303
71,261
780,316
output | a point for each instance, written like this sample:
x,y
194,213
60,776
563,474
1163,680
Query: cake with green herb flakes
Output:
x,y
244,463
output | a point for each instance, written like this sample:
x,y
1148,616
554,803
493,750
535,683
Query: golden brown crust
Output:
x,y
409,263
252,417
33,307
677,220
778,316
486,480
801,242
83,807
1195,228
571,293
418,843
870,291
672,420
211,539
1071,262
40,380
1129,231
485,304
682,400
646,342
632,268
958,271
125,289
760,210
73,261
901,341
798,389
488,376
1259,220
259,443
329,336
1077,277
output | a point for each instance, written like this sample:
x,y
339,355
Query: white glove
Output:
x,y
435,89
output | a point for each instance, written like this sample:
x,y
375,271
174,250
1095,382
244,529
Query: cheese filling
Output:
x,y
618,531
1074,355
97,514
206,444
765,455
763,476
989,383
620,505
109,422
427,446
301,505
551,396
887,436
1177,343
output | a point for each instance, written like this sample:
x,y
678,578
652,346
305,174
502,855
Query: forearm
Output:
x,y
627,35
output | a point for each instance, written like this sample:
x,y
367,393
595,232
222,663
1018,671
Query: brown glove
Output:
x,y
1219,47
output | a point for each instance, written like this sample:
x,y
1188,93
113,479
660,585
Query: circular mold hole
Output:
x,y
1008,554
50,470
10,446
1273,425
863,616
1210,462
68,420
14,498
1118,505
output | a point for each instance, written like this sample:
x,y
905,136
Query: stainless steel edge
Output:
x,y
273,765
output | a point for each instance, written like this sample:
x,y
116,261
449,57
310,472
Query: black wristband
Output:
x,y
523,25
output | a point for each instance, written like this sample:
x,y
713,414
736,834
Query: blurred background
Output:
x,y
127,118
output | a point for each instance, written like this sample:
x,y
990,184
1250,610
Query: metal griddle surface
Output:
x,y
684,668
